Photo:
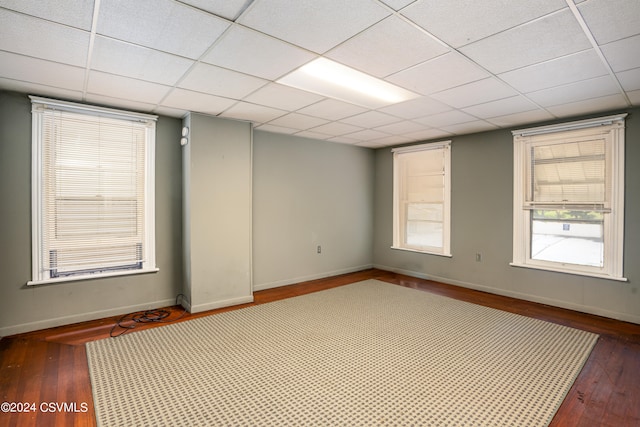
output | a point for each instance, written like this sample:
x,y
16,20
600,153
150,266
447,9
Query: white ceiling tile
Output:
x,y
469,127
26,87
416,108
27,69
630,79
370,119
343,140
501,107
170,112
474,93
314,25
298,121
475,20
252,112
313,135
195,101
250,52
138,62
370,144
385,141
119,87
585,89
337,129
367,135
599,15
221,82
277,129
164,25
399,128
560,71
634,96
517,119
593,105
74,13
444,72
624,54
228,9
387,47
284,97
428,134
332,109
553,36
397,4
126,104
43,39
445,119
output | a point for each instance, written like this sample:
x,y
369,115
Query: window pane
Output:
x,y
572,237
424,224
422,233
425,212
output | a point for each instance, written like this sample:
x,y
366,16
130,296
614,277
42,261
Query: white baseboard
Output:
x,y
527,297
219,304
82,317
186,304
277,284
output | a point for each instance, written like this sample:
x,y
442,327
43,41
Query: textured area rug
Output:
x,y
369,353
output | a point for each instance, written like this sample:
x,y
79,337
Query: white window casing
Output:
x,y
93,192
568,197
421,198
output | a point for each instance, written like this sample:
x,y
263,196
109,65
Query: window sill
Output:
x,y
91,277
421,252
574,272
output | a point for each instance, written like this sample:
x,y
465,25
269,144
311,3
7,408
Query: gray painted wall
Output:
x,y
308,193
25,308
481,222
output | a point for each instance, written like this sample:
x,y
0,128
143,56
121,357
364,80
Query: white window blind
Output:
x,y
568,172
421,192
92,195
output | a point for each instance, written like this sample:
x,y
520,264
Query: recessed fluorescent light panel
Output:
x,y
328,78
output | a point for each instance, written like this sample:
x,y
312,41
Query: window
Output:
x,y
92,191
421,192
569,197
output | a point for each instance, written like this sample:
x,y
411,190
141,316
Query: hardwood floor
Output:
x,y
49,367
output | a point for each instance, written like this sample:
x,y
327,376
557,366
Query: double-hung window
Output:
x,y
421,192
92,191
569,197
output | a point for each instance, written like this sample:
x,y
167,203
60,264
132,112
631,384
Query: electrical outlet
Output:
x,y
478,257
319,249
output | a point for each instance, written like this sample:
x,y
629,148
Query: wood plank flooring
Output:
x,y
49,367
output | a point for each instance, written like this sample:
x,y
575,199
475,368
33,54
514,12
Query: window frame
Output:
x,y
41,275
399,219
612,128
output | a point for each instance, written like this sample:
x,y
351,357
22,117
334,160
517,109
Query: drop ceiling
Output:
x,y
477,65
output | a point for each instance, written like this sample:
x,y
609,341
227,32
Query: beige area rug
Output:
x,y
365,354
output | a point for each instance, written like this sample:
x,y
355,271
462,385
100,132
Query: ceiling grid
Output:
x,y
475,66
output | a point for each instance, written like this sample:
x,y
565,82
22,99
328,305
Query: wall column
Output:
x,y
217,199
